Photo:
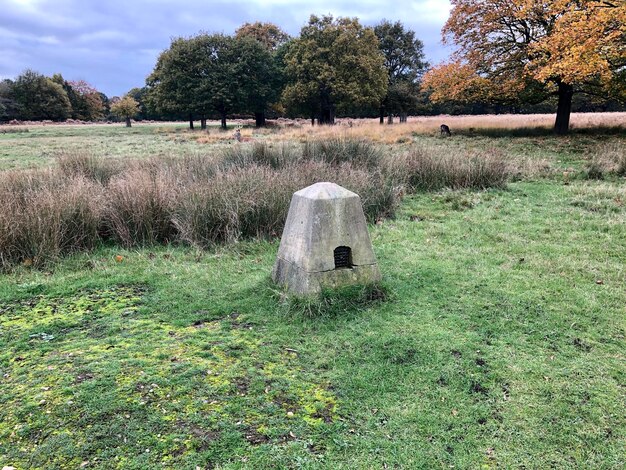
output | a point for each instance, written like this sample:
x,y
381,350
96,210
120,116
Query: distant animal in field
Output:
x,y
445,130
241,138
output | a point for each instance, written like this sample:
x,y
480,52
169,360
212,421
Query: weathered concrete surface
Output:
x,y
322,217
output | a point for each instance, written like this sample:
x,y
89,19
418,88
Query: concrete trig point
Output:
x,y
325,242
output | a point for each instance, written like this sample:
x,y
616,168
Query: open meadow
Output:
x,y
139,327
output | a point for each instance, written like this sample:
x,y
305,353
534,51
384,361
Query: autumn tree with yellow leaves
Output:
x,y
529,50
126,109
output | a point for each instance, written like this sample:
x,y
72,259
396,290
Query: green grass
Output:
x,y
500,343
41,144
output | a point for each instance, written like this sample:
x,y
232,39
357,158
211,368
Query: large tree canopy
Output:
x,y
87,102
334,64
525,49
405,63
173,84
215,73
262,66
38,97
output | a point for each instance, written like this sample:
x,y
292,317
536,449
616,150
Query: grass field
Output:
x,y
496,340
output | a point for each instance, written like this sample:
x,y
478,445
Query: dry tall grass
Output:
x,y
203,201
608,159
426,169
45,214
429,125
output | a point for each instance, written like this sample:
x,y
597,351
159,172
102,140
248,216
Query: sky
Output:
x,y
114,44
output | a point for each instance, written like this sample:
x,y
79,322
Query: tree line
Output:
x,y
515,56
35,97
334,66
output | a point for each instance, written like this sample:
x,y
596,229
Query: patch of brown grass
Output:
x,y
429,125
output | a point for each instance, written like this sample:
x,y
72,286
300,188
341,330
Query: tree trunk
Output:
x,y
259,119
203,124
312,120
403,117
327,110
564,108
381,115
224,120
128,121
390,119
191,122
327,116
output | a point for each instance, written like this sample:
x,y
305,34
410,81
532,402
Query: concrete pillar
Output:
x,y
325,242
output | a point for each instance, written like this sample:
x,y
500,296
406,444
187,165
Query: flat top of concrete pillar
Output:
x,y
325,190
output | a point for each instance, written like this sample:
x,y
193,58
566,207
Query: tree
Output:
x,y
174,81
258,57
39,98
8,105
87,104
526,50
106,104
334,64
197,76
217,74
405,64
126,108
139,95
268,34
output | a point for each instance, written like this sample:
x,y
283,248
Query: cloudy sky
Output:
x,y
113,44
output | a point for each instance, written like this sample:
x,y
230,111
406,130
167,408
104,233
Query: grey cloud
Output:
x,y
114,44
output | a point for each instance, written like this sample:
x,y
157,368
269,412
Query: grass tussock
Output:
x,y
74,164
338,150
428,169
202,201
44,217
273,155
139,207
608,159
